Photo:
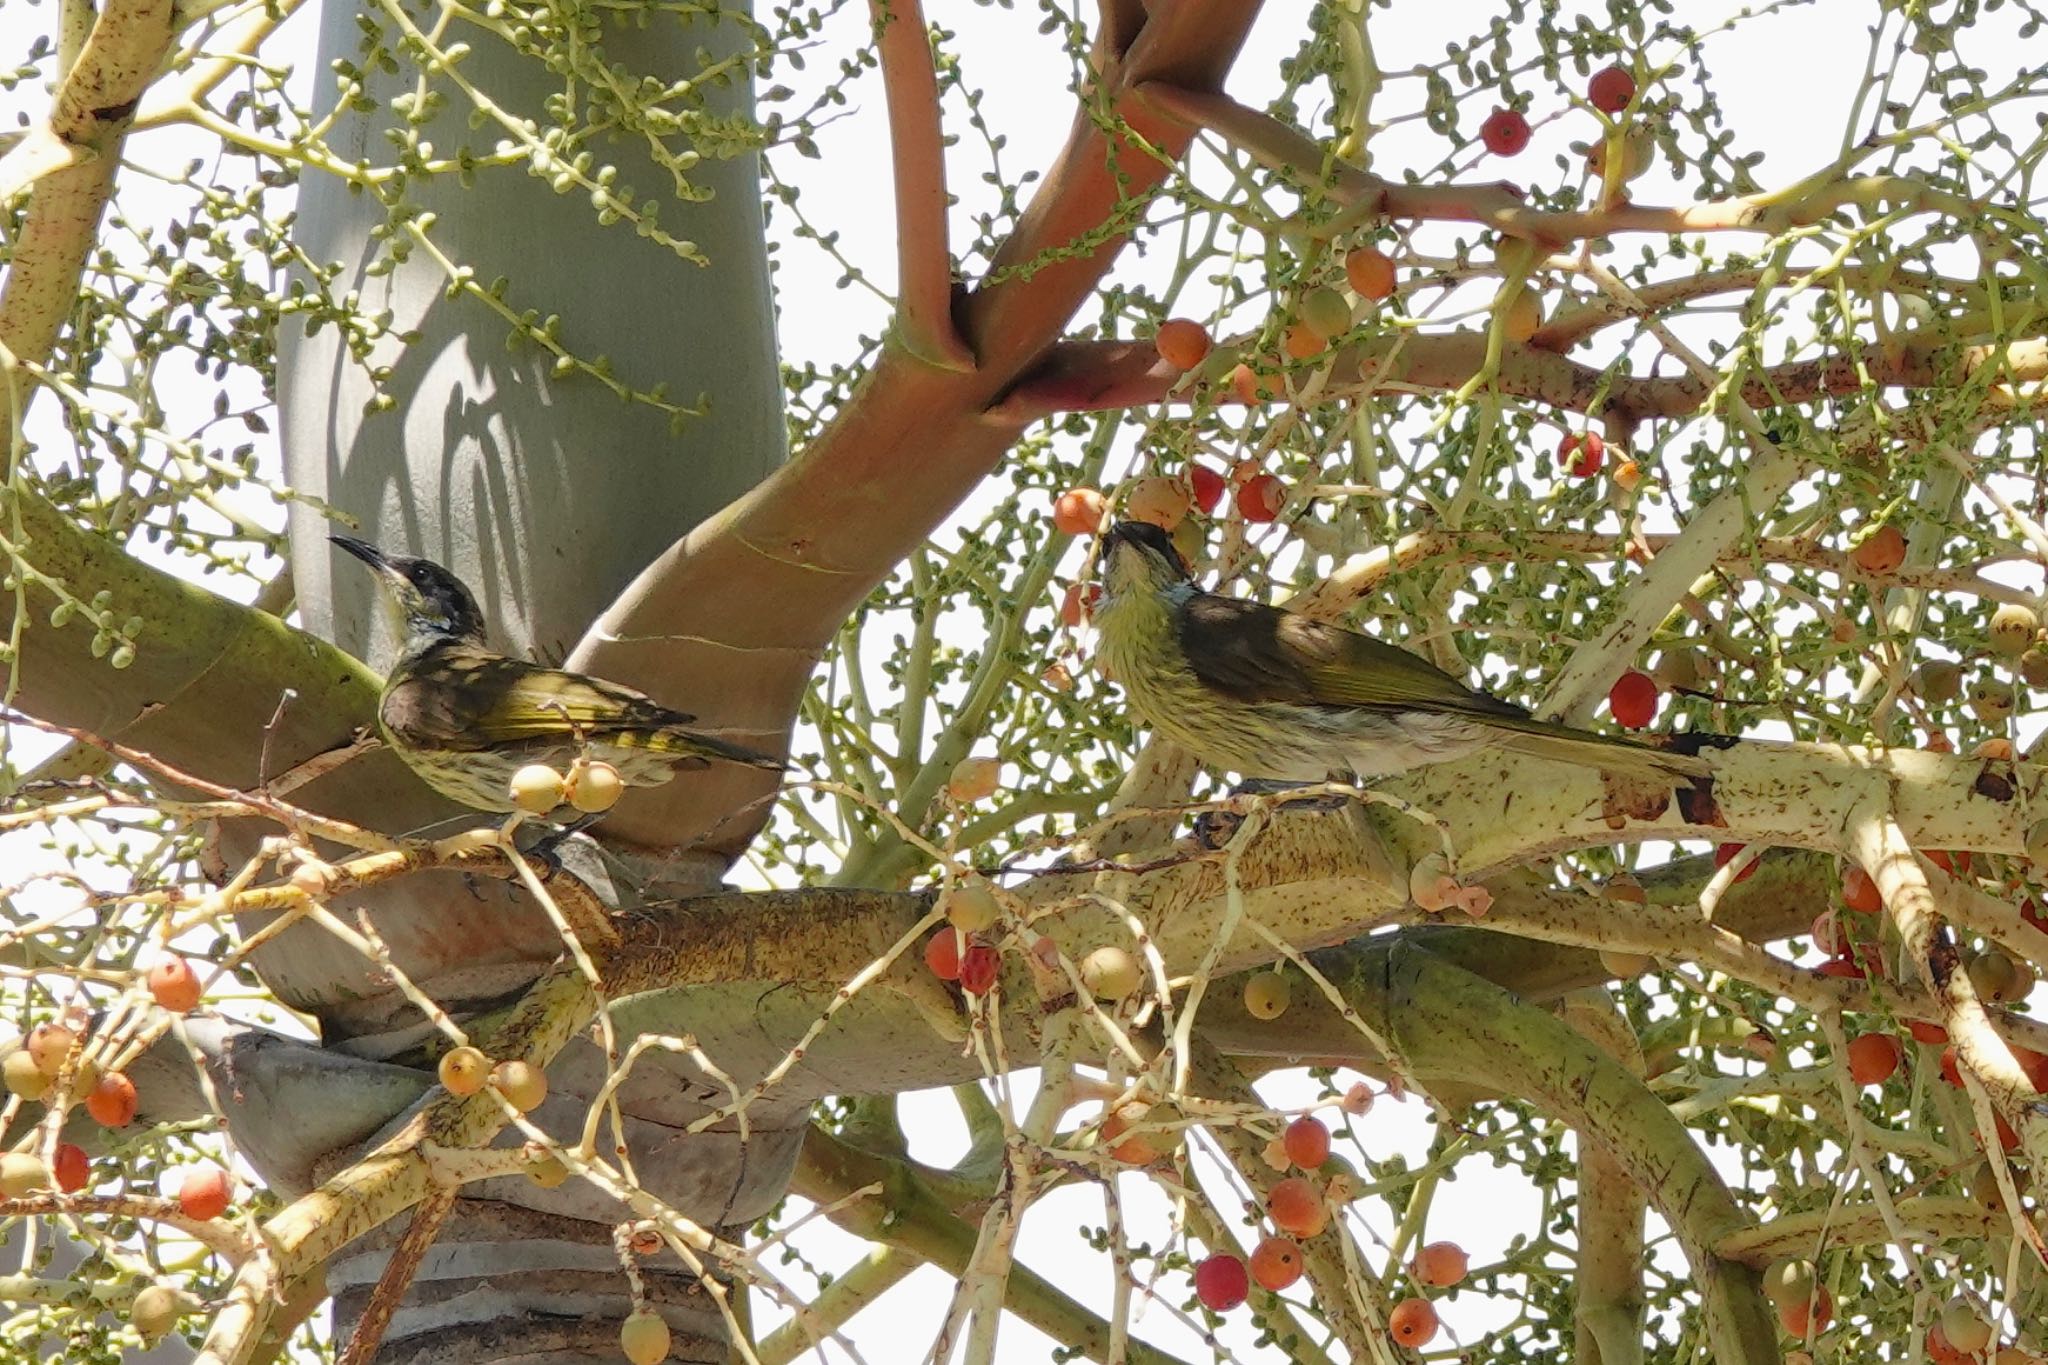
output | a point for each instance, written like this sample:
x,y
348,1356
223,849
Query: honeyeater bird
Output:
x,y
466,718
1274,695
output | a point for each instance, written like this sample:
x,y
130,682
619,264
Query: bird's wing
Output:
x,y
478,700
1252,652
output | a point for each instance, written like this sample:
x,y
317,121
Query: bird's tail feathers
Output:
x,y
679,741
1623,757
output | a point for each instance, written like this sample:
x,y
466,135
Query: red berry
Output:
x,y
1841,966
1505,132
204,1193
1725,854
1582,453
1633,700
1261,497
1307,1142
1182,343
1206,486
1276,1263
1873,1057
1610,90
1222,1282
70,1170
1950,1072
1859,893
978,967
1413,1322
1934,1035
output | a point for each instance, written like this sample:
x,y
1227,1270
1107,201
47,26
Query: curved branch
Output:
x,y
1448,1023
748,599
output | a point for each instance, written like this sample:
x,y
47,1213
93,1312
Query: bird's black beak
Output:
x,y
363,550
1143,537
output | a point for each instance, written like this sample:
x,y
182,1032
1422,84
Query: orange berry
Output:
x,y
942,953
1307,1140
1078,512
1413,1322
1276,1263
1301,341
1077,605
1371,272
1802,1318
523,1084
112,1101
463,1070
1880,552
174,985
1246,384
203,1194
1296,1206
1873,1057
50,1045
1138,1149
1860,893
1439,1265
974,778
1182,343
1523,317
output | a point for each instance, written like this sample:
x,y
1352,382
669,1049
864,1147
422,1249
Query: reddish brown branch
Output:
x,y
924,260
1086,376
427,1217
748,600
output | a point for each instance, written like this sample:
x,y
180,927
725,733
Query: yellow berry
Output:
x,y
536,789
523,1085
1110,973
548,1173
463,1070
155,1312
597,788
23,1077
971,907
1265,995
22,1175
1523,316
643,1336
2012,629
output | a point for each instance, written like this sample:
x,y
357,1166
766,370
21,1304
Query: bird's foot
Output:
x,y
1213,829
545,851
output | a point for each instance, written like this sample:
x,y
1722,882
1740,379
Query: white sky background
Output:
x,y
1784,84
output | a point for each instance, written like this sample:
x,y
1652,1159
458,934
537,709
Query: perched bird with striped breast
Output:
x,y
466,718
1274,695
